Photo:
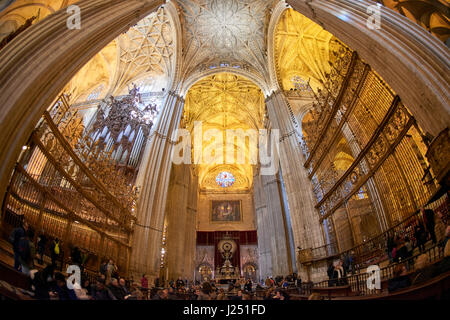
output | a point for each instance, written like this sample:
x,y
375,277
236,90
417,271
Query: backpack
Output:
x,y
56,248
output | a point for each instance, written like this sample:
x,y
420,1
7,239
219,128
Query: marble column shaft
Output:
x,y
305,219
146,248
264,228
180,224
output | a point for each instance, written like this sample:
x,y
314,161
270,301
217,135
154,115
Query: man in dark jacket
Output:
x,y
14,238
26,251
64,293
330,273
419,234
42,282
428,215
116,290
41,245
101,292
179,283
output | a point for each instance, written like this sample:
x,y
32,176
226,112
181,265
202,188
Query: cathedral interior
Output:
x,y
221,140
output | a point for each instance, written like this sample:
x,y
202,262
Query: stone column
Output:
x,y
264,228
280,248
190,232
177,221
146,243
305,219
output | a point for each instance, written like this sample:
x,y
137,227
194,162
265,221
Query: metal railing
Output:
x,y
358,282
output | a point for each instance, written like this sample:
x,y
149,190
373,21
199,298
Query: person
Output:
x,y
419,234
279,295
339,273
205,292
61,289
111,271
87,286
402,251
428,215
171,294
144,281
268,294
14,238
400,280
179,283
101,292
330,273
41,245
221,295
346,263
248,285
123,286
164,294
238,296
390,246
41,282
55,251
136,294
272,282
285,284
76,256
267,282
116,290
409,250
81,292
26,252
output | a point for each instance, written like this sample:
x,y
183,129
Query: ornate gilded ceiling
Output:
x,y
146,50
143,55
225,101
301,49
229,31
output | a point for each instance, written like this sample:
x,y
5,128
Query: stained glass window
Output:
x,y
225,179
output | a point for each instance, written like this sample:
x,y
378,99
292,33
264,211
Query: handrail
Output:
x,y
358,281
371,241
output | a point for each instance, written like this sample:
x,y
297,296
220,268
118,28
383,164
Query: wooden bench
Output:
x,y
13,284
331,292
296,297
14,277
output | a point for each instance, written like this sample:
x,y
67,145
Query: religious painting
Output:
x,y
226,211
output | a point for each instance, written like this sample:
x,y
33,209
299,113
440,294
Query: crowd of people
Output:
x,y
400,246
49,283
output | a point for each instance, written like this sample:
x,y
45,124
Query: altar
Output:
x,y
226,256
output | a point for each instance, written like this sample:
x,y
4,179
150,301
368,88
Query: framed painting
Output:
x,y
226,211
